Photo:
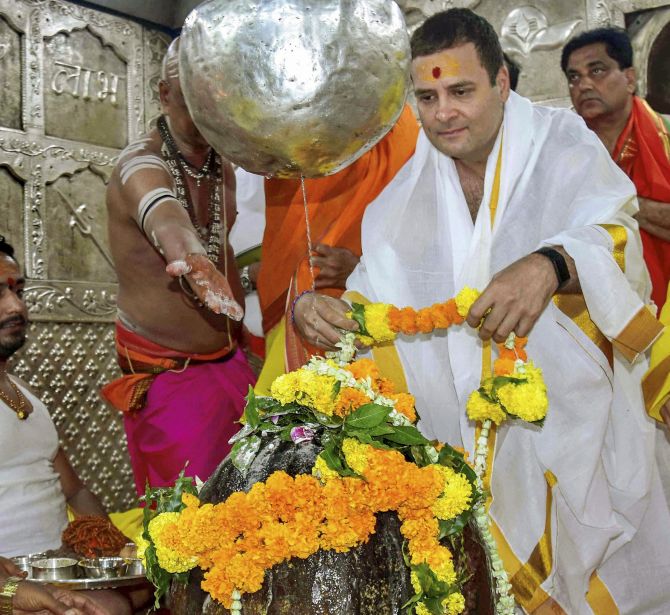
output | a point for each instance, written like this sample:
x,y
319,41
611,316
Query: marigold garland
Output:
x,y
236,541
382,322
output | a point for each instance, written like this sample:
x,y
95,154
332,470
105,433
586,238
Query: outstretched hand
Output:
x,y
320,319
208,284
335,265
514,299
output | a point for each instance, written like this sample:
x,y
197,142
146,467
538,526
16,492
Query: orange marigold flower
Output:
x,y
405,404
363,368
384,386
444,314
348,400
394,319
503,367
424,320
404,321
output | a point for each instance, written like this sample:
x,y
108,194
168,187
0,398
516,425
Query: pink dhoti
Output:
x,y
177,410
188,417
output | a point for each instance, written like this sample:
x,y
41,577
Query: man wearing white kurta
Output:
x,y
577,507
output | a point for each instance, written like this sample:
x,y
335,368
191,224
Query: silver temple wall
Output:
x,y
77,84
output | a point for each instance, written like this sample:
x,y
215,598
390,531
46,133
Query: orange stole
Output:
x,y
643,152
336,206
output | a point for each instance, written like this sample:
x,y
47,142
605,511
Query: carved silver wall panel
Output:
x,y
66,364
77,84
648,33
533,33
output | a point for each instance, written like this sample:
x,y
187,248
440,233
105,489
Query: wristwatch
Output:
x,y
560,266
7,593
247,284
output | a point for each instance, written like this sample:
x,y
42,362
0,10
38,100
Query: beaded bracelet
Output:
x,y
298,297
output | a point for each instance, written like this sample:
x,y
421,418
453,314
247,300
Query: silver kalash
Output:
x,y
292,88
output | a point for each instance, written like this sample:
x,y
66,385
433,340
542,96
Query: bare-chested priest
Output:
x,y
171,204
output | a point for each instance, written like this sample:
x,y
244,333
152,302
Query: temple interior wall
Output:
x,y
77,84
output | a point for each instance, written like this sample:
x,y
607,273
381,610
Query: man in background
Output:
x,y
598,65
37,482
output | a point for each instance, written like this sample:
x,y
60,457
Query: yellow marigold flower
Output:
x,y
189,500
163,530
465,299
454,604
322,471
316,391
479,409
366,340
142,545
456,495
442,564
376,322
356,454
285,388
529,400
416,585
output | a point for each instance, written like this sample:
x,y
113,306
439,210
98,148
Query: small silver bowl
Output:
x,y
104,567
135,567
54,568
129,551
24,563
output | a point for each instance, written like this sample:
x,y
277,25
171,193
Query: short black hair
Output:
x,y
616,41
456,27
6,247
514,71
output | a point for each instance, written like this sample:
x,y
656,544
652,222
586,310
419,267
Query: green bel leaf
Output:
x,y
367,417
358,314
407,435
251,417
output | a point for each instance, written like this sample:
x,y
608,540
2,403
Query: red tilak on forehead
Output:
x,y
11,282
437,71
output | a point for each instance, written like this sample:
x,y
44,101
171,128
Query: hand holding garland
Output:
x,y
320,319
517,295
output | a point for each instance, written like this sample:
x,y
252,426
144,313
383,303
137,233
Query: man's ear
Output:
x,y
503,83
163,91
631,79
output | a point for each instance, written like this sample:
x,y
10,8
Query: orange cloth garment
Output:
x,y
141,360
336,204
643,152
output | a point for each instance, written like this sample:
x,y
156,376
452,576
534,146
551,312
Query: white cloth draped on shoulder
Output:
x,y
558,187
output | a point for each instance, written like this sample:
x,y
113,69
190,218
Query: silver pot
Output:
x,y
294,87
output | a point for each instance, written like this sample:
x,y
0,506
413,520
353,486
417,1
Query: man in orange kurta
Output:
x,y
601,78
336,204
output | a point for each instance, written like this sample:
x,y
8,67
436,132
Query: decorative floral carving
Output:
x,y
525,29
33,148
51,300
416,11
85,15
35,226
34,64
